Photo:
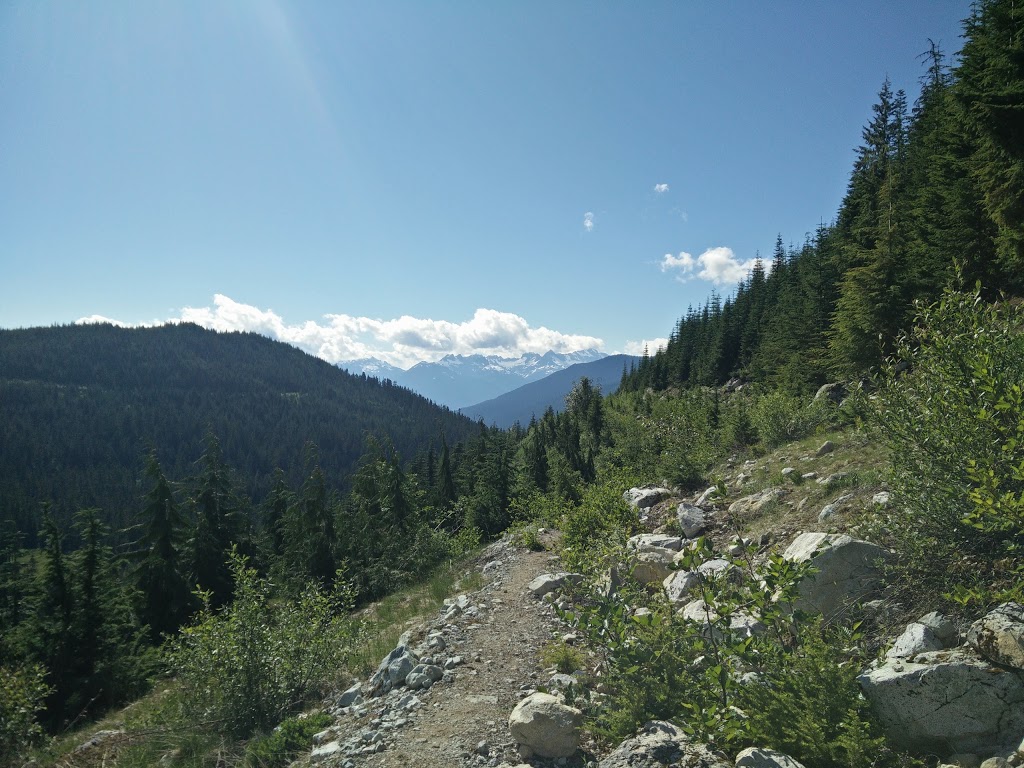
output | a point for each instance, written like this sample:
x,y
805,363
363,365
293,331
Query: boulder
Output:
x,y
835,392
546,726
652,566
848,569
754,757
423,676
351,696
645,498
719,568
392,671
679,585
661,744
916,638
881,498
827,447
999,635
692,520
550,582
645,541
944,629
947,702
756,502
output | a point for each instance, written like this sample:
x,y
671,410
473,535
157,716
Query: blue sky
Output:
x,y
409,179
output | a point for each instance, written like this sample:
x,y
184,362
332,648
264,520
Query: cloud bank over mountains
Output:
x,y
402,342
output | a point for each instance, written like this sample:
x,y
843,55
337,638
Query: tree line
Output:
x,y
935,199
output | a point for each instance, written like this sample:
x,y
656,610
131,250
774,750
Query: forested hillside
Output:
x,y
176,432
82,406
935,198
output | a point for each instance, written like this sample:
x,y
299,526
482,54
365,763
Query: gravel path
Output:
x,y
462,720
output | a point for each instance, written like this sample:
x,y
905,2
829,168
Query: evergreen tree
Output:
x,y
216,524
164,594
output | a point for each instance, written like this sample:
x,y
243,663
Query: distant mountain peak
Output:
x,y
455,379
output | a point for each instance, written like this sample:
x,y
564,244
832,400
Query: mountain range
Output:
x,y
457,381
535,398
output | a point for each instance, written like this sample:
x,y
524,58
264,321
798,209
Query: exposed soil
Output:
x,y
463,719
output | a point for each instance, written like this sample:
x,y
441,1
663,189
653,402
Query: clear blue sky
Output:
x,y
367,177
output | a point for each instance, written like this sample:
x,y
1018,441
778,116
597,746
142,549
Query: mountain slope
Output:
x,y
536,397
80,406
455,380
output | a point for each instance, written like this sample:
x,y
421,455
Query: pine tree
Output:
x,y
164,594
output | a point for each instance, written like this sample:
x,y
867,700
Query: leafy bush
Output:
x,y
248,666
22,691
788,684
285,742
952,409
602,520
562,657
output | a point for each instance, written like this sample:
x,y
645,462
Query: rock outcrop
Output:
x,y
999,635
660,745
947,702
848,570
542,725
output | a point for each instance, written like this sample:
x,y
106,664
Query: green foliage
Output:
x,y
951,408
22,694
787,684
779,417
293,736
562,657
259,659
811,706
601,521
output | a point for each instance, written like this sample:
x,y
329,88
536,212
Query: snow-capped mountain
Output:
x,y
459,380
371,366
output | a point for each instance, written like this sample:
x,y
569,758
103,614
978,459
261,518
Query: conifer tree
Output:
x,y
159,563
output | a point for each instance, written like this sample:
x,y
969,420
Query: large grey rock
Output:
x,y
947,702
644,541
756,502
944,629
848,570
679,585
999,635
546,726
652,566
645,498
692,520
755,757
835,392
916,638
550,582
661,744
392,671
423,676
351,696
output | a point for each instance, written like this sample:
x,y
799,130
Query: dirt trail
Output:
x,y
463,719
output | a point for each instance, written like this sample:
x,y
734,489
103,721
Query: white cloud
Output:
x,y
660,188
717,265
403,341
588,221
637,347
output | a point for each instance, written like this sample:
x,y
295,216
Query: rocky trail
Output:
x,y
486,648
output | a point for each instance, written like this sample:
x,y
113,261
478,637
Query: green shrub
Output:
x,y
285,742
562,657
22,691
248,666
791,685
602,520
951,407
